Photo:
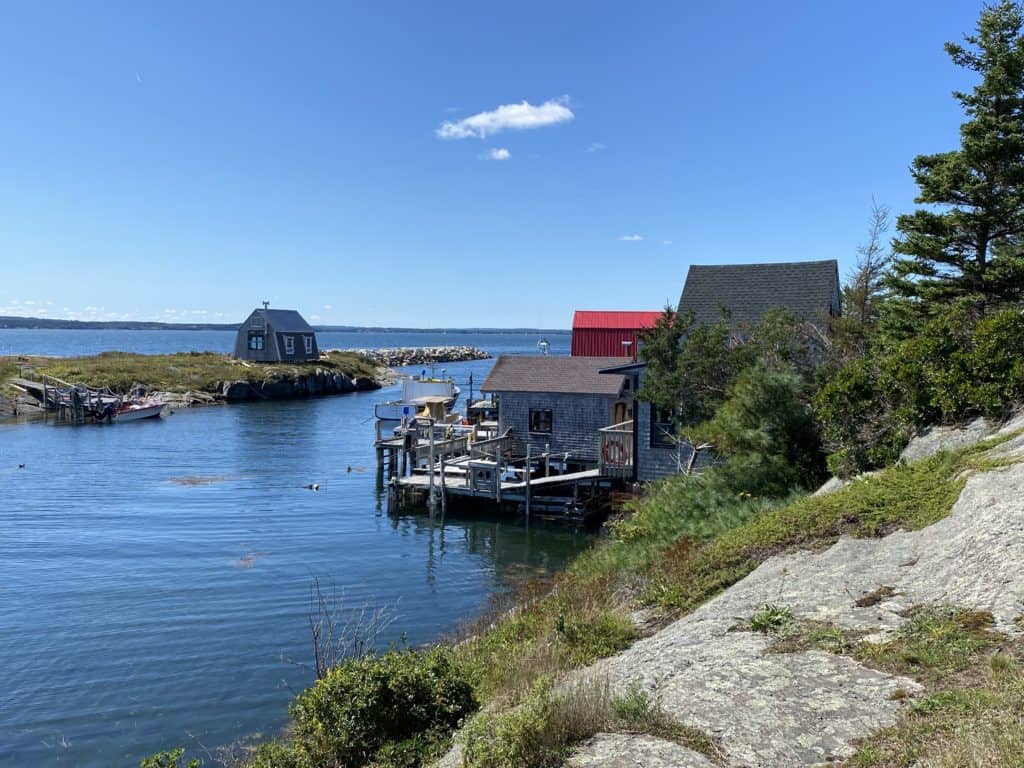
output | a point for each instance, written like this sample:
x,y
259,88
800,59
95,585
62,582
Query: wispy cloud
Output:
x,y
327,306
508,117
666,242
631,238
596,146
498,153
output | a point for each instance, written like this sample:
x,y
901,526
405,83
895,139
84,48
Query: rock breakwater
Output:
x,y
399,356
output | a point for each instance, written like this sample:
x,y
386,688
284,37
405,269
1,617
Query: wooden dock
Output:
x,y
438,466
74,403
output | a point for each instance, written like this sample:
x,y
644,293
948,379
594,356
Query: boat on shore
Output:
x,y
138,411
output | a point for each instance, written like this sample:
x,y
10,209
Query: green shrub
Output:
x,y
388,706
955,368
860,425
540,732
167,759
275,754
768,434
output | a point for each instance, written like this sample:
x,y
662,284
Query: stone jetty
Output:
x,y
399,356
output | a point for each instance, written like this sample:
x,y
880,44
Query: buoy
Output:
x,y
314,486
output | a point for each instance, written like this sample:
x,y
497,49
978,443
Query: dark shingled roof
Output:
x,y
808,289
554,373
286,321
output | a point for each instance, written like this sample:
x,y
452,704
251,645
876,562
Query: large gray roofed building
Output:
x,y
809,289
554,373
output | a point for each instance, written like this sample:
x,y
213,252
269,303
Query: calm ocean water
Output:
x,y
138,613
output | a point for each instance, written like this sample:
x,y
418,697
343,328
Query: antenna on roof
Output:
x,y
266,304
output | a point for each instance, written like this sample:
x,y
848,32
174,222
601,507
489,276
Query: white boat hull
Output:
x,y
139,412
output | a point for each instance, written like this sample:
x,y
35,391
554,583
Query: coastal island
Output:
x,y
197,378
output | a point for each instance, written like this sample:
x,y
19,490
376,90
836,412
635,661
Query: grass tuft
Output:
x,y
541,732
770,619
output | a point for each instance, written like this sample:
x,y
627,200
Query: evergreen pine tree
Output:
x,y
967,243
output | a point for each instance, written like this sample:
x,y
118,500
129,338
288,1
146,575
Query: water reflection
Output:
x,y
168,605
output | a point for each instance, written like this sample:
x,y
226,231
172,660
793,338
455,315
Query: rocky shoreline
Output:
x,y
398,356
323,381
318,384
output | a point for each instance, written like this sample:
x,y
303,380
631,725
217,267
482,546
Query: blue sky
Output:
x,y
188,160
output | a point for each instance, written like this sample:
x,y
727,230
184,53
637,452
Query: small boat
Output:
x,y
414,390
136,411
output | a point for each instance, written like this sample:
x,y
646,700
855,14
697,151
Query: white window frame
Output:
x,y
308,343
289,345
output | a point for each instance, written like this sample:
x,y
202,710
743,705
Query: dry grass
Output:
x,y
555,626
185,371
977,722
541,732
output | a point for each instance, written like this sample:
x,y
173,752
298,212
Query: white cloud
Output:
x,y
508,116
499,153
327,306
666,242
631,238
596,146
314,317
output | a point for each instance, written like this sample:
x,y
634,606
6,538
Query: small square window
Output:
x,y
540,420
308,342
256,341
289,345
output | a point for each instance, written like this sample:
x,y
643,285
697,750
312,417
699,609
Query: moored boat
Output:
x,y
414,390
138,411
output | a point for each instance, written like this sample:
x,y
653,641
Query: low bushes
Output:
x,y
396,710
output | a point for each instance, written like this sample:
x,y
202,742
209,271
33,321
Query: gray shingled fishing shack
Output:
x,y
276,336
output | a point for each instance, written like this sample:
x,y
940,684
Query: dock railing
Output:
x,y
617,450
492,449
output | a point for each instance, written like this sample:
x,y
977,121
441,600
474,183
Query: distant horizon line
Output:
x,y
14,322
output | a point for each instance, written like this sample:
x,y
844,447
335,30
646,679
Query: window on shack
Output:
x,y
256,341
289,345
308,342
540,420
663,428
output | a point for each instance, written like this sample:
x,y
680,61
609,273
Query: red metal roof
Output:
x,y
618,320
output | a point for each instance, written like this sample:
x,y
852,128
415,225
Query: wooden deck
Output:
x,y
455,481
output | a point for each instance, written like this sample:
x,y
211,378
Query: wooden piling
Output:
x,y
527,478
432,501
444,490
